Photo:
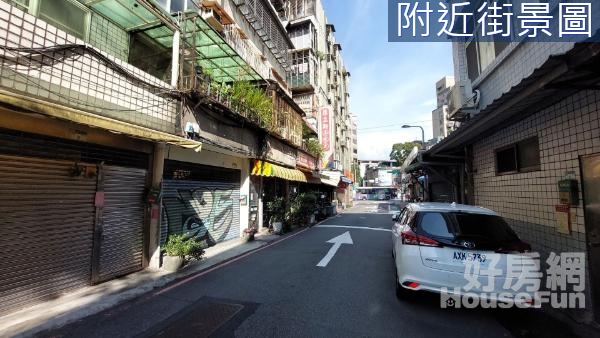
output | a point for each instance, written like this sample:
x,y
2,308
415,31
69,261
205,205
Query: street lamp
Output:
x,y
422,132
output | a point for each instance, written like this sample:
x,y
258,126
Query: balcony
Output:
x,y
41,62
263,18
300,80
235,39
298,9
287,119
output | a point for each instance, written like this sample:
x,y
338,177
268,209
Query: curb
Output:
x,y
182,280
142,291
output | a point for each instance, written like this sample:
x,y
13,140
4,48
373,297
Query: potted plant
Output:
x,y
276,209
249,234
178,249
308,206
302,210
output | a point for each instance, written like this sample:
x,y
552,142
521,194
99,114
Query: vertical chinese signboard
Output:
x,y
326,116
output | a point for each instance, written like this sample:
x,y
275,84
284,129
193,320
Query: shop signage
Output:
x,y
305,160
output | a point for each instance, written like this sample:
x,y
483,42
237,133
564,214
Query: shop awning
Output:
x,y
313,179
330,181
61,112
266,169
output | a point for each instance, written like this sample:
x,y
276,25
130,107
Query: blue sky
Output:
x,y
391,83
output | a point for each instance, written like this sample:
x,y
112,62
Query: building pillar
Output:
x,y
260,190
158,163
245,194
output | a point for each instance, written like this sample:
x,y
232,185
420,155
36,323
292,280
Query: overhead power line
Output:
x,y
394,126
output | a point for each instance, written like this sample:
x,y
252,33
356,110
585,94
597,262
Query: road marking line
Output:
x,y
350,227
337,242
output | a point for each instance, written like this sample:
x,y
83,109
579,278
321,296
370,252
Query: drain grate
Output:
x,y
200,321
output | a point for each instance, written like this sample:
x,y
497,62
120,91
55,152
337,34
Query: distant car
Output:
x,y
433,243
383,197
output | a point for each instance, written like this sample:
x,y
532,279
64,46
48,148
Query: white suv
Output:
x,y
436,244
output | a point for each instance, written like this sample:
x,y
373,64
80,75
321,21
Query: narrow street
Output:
x,y
280,291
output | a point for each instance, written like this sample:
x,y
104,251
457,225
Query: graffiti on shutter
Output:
x,y
208,211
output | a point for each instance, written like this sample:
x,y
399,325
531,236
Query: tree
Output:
x,y
400,151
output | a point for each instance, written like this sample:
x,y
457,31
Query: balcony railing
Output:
x,y
241,46
265,21
208,91
40,61
298,9
300,80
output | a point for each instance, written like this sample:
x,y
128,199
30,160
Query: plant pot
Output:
x,y
277,227
172,263
311,219
249,237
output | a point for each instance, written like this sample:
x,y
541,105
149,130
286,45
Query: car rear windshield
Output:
x,y
488,227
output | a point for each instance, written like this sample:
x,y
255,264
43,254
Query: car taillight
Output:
x,y
520,247
410,238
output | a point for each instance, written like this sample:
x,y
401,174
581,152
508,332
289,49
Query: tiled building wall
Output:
x,y
80,80
566,131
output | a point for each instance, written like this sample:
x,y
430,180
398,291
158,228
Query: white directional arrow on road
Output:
x,y
337,242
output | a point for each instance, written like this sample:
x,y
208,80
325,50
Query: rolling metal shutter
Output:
x,y
121,245
209,211
46,227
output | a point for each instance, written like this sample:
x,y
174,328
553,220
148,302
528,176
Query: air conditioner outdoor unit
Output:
x,y
212,18
462,101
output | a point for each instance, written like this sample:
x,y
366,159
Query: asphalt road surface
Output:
x,y
281,292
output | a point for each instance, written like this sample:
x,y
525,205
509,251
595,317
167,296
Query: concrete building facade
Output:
x,y
124,125
441,125
319,82
528,146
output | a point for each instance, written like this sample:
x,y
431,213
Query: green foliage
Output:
x,y
301,207
180,245
400,151
307,133
314,147
255,100
276,209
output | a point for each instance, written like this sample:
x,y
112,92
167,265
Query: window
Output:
x,y
173,6
483,229
523,156
433,223
149,56
66,15
528,152
480,53
506,160
20,4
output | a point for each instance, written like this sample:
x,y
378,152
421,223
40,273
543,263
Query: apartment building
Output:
x,y
319,82
441,124
529,146
122,123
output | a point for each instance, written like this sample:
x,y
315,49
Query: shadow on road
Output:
x,y
523,323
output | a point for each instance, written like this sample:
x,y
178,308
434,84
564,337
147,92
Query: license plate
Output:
x,y
463,256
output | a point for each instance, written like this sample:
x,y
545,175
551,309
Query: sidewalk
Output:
x,y
93,299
